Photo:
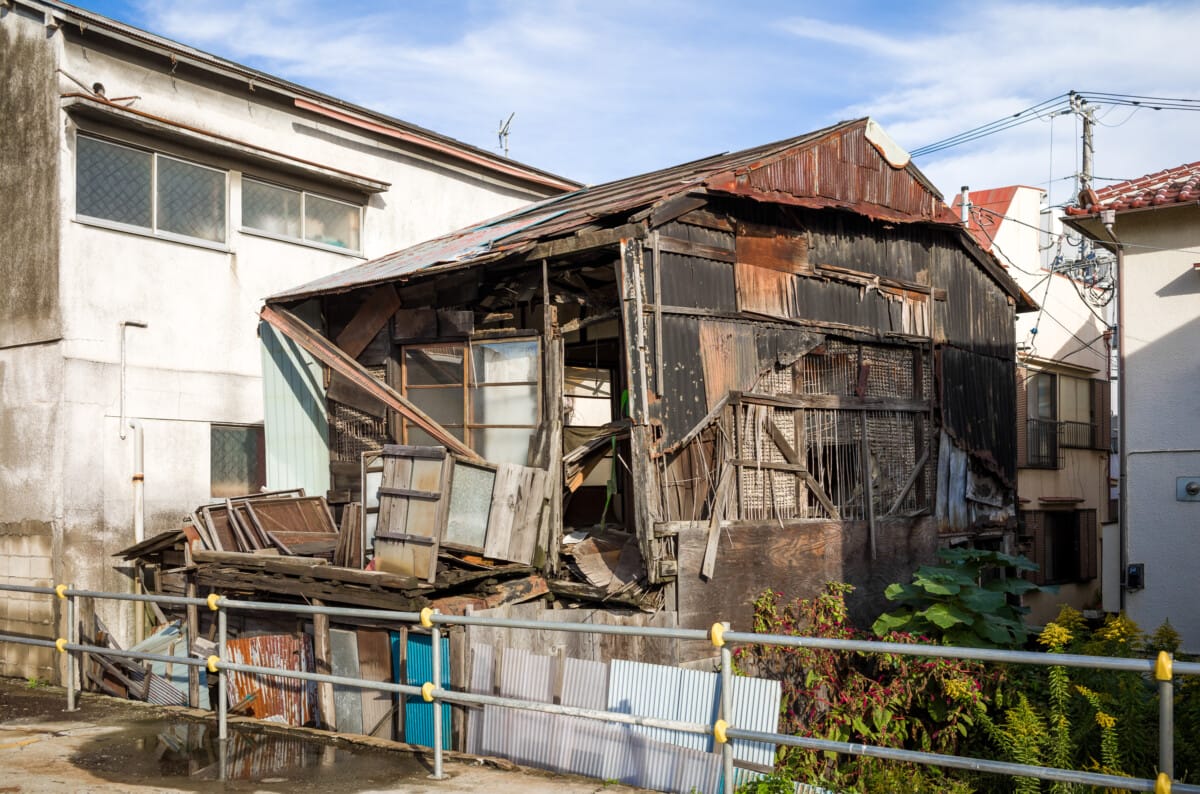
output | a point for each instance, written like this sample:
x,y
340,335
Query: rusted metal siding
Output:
x,y
979,408
274,696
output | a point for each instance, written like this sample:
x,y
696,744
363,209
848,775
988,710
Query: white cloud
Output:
x,y
603,90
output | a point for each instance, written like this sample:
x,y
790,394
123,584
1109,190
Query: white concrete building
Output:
x,y
1153,224
1063,433
153,195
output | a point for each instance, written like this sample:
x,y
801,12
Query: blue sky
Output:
x,y
608,89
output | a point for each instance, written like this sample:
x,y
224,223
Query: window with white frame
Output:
x,y
148,191
300,215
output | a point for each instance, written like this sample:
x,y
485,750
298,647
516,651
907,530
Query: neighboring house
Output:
x,y
772,368
1063,414
152,195
1153,225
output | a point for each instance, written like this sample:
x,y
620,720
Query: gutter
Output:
x,y
1108,218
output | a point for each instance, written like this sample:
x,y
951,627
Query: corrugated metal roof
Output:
x,y
832,167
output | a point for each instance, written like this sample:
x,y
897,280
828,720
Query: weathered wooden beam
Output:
x,y
714,522
832,402
674,245
334,357
670,209
697,429
586,241
369,320
913,476
323,651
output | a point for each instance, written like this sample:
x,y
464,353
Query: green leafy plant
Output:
x,y
36,683
769,784
968,600
871,698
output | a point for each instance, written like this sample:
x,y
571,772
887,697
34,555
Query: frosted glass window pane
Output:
x,y
504,405
112,182
331,222
505,362
434,365
470,503
503,444
444,405
191,200
270,209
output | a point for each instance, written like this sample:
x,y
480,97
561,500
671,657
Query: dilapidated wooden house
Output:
x,y
763,369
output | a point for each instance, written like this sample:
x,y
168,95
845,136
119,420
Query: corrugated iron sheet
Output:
x,y
276,697
418,715
832,167
653,690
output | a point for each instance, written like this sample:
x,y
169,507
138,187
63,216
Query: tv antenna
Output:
x,y
503,132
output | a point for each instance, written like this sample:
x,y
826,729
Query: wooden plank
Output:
x,y
334,357
913,476
371,318
869,486
586,241
345,391
193,631
714,522
531,499
410,493
375,664
503,511
688,437
412,451
784,445
836,402
323,653
674,207
674,245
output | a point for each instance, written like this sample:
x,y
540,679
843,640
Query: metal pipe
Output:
x,y
435,635
310,609
139,512
320,678
158,599
581,628
964,209
727,714
950,652
72,638
28,641
25,588
222,684
125,324
960,762
148,657
1109,218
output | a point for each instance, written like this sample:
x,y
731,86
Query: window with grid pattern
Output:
x,y
238,460
150,191
300,215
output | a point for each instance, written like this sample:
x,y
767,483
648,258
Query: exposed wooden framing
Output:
x,y
833,402
369,320
674,245
708,419
193,631
586,241
647,511
334,357
785,446
870,279
803,473
656,242
672,208
554,363
868,488
323,653
583,322
707,220
913,476
714,522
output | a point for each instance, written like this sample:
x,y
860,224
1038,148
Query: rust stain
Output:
x,y
277,697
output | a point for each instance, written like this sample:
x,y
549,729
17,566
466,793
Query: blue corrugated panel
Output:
x,y
418,715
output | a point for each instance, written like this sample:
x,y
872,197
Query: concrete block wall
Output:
x,y
28,561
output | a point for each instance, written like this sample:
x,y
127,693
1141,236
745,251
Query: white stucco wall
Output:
x,y
198,361
1162,370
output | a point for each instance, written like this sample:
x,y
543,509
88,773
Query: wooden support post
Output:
x,y
324,658
193,631
868,487
553,385
646,493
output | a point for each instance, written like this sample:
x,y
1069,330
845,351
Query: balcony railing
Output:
x,y
1046,438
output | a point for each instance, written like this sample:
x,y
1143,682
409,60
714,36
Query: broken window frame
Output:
x,y
472,433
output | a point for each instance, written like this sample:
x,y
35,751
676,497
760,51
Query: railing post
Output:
x,y
73,638
436,635
727,711
1166,715
222,697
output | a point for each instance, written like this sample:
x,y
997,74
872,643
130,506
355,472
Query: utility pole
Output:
x,y
1087,114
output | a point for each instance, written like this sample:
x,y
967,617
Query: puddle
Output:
x,y
185,755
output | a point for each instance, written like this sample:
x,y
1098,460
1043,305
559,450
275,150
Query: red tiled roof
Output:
x,y
1179,185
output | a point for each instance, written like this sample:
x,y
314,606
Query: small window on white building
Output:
x,y
147,191
300,215
238,460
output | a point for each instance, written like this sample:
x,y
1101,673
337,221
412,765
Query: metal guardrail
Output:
x,y
1164,669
